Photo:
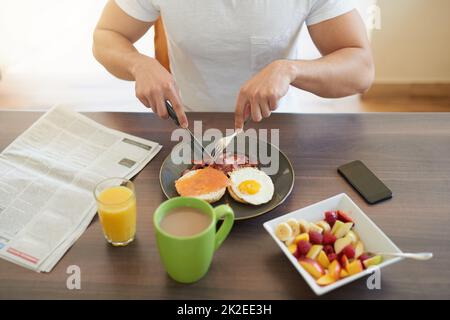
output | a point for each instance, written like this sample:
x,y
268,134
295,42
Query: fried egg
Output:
x,y
208,184
251,185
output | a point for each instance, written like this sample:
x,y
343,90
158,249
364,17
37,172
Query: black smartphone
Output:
x,y
364,181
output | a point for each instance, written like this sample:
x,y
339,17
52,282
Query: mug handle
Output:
x,y
223,211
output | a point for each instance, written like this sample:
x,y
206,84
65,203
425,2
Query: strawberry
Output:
x,y
315,237
332,256
349,251
328,249
363,257
328,238
303,248
331,217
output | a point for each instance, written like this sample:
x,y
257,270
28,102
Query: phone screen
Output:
x,y
371,188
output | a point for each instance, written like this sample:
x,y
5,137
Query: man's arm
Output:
x,y
346,68
113,47
113,41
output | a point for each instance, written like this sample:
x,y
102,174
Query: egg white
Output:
x,y
266,191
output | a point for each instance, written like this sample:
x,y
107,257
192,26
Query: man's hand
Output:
x,y
345,68
259,96
154,85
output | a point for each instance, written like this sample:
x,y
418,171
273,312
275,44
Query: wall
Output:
x,y
46,57
52,37
413,45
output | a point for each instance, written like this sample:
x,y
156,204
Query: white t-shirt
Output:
x,y
215,46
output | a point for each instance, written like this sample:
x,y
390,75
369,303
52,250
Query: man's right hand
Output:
x,y
154,85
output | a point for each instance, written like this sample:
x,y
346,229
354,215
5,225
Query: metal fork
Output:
x,y
223,143
416,256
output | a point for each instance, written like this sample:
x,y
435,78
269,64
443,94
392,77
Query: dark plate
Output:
x,y
283,182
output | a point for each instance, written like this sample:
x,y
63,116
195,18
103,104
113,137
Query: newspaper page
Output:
x,y
47,178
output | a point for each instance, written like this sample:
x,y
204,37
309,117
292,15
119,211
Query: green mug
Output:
x,y
187,259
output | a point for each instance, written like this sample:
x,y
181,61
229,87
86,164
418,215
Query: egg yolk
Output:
x,y
249,187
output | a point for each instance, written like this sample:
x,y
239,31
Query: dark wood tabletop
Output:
x,y
409,152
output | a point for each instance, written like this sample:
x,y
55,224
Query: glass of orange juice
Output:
x,y
116,202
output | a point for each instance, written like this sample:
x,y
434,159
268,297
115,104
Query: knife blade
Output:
x,y
197,143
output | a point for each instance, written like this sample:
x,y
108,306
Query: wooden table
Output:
x,y
410,152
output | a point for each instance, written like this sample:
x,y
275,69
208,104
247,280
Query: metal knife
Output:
x,y
173,116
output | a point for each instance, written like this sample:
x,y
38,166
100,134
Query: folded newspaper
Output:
x,y
47,178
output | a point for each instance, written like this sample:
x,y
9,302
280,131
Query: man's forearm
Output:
x,y
342,73
116,53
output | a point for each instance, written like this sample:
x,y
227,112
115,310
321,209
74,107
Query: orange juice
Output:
x,y
117,212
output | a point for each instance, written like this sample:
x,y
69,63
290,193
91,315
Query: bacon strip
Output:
x,y
226,163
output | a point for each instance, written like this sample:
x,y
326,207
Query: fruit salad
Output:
x,y
329,250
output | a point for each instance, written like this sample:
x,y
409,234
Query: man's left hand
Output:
x,y
259,96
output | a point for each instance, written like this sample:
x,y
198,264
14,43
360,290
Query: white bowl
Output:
x,y
373,238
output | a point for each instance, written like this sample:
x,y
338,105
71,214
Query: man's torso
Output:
x,y
215,46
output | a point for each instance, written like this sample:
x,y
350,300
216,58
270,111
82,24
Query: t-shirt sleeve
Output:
x,y
143,10
321,10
